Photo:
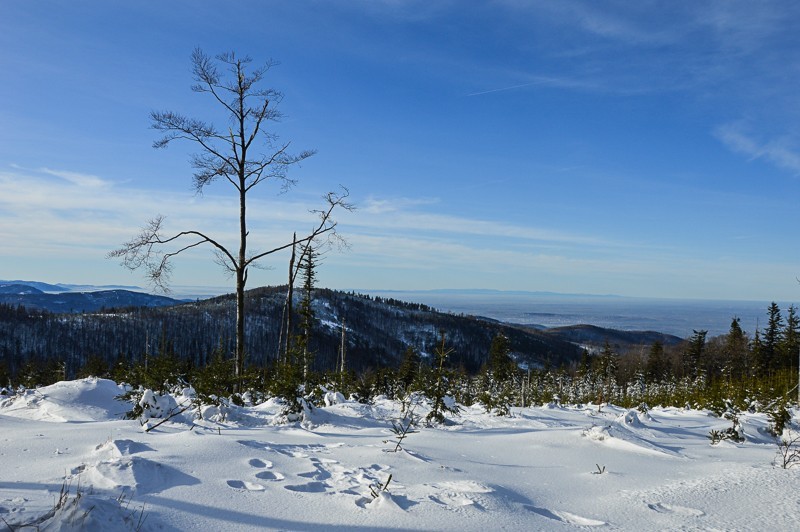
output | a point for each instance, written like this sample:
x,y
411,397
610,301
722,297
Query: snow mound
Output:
x,y
81,400
134,475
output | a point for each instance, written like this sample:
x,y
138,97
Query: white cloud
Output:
x,y
374,205
82,180
402,217
779,152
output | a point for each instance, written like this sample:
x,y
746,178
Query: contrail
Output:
x,y
509,88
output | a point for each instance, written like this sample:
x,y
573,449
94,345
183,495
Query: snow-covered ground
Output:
x,y
538,470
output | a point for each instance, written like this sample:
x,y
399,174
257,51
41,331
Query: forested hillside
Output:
x,y
377,333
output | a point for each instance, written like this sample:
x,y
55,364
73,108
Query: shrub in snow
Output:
x,y
333,398
779,418
155,405
788,454
596,432
630,418
735,432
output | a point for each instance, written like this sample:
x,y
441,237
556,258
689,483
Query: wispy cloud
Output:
x,y
374,205
779,152
408,219
79,179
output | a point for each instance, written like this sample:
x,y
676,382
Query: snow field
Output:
x,y
538,470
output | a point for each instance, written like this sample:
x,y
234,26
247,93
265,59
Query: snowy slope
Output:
x,y
538,470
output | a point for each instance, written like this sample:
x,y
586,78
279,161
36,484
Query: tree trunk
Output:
x,y
289,299
239,358
241,281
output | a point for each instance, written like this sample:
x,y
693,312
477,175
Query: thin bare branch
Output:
x,y
145,251
326,223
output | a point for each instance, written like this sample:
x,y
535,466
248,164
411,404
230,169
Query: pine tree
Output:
x,y
757,355
790,346
438,390
605,371
498,377
735,351
655,368
408,372
773,337
693,355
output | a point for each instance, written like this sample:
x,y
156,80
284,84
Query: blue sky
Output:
x,y
635,148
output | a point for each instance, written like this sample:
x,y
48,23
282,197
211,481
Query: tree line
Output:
x,y
734,369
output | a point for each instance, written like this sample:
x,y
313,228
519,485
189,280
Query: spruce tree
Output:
x,y
498,377
408,372
735,351
693,355
773,337
790,346
655,368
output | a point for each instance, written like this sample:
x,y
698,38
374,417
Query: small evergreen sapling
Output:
x,y
779,419
437,394
735,432
376,489
406,425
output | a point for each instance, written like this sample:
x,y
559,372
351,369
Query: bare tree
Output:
x,y
245,154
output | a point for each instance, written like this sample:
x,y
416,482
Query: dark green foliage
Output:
x,y
693,355
773,337
285,381
364,388
721,374
5,375
437,391
656,367
779,419
733,433
216,380
790,347
408,374
35,373
499,378
378,333
95,366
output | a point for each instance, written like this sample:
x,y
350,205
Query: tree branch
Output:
x,y
143,252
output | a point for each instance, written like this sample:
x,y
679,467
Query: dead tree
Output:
x,y
243,153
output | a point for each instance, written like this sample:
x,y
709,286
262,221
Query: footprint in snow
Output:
x,y
311,487
663,508
260,464
566,517
269,475
244,485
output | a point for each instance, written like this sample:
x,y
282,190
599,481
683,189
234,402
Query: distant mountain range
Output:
x,y
61,298
115,323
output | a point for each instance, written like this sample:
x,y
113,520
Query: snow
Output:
x,y
545,468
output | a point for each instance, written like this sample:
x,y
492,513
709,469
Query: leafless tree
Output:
x,y
243,153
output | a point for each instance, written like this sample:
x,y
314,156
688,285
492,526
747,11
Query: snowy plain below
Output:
x,y
539,469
